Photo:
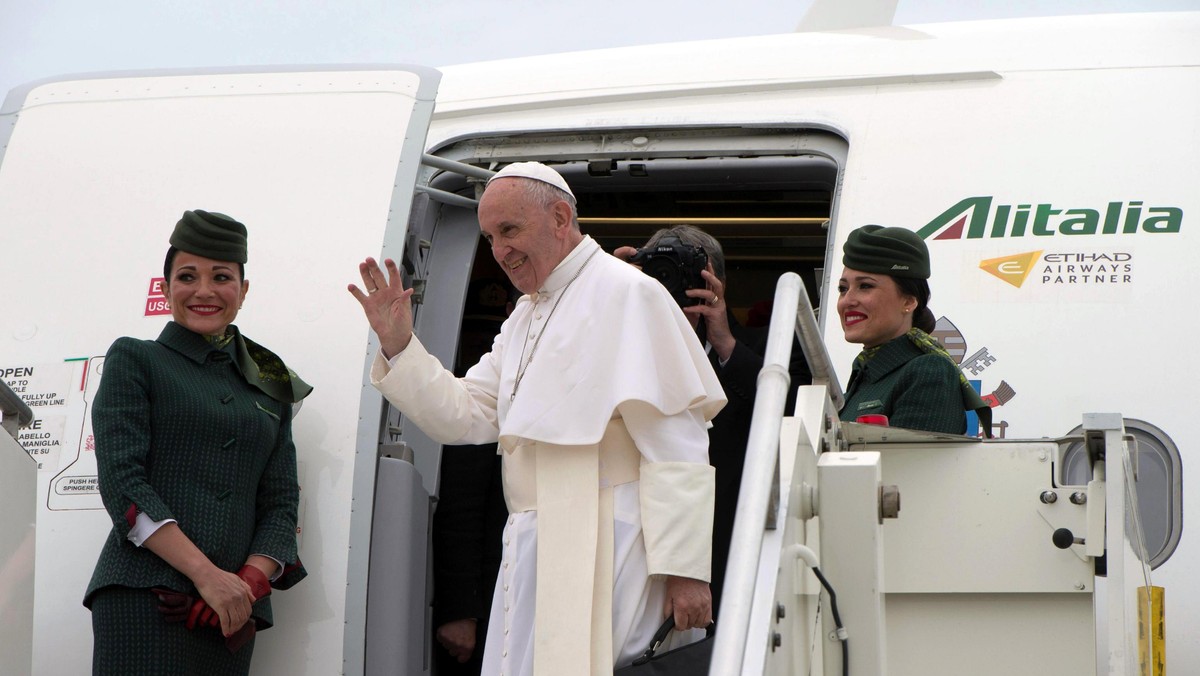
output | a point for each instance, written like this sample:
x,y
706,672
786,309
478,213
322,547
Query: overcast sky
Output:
x,y
51,38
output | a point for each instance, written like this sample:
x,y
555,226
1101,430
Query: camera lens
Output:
x,y
676,266
667,272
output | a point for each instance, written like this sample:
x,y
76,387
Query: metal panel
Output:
x,y
397,598
990,634
970,563
972,520
18,485
852,559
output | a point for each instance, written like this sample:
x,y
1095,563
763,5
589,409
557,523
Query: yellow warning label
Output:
x,y
1152,631
1012,269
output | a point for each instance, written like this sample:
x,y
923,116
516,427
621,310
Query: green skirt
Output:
x,y
130,638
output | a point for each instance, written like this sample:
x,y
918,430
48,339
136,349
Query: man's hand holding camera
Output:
x,y
712,309
680,270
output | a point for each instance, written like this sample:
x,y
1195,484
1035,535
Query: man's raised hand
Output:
x,y
387,305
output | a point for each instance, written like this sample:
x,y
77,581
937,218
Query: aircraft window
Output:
x,y
1159,485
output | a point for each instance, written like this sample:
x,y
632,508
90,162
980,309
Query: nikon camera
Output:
x,y
676,265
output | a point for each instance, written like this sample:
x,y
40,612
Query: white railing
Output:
x,y
758,497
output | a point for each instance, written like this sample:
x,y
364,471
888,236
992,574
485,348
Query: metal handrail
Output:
x,y
758,473
454,167
815,353
12,405
791,311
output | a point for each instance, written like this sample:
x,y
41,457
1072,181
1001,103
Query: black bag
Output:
x,y
690,660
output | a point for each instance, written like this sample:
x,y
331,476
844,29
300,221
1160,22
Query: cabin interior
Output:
x,y
768,202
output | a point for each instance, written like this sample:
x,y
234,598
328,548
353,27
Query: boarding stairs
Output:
x,y
945,554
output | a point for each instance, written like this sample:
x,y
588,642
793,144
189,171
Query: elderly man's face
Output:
x,y
527,240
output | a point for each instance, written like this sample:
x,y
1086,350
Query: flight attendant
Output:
x,y
903,372
197,470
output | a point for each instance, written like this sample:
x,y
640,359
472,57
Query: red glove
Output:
x,y
203,615
179,607
260,586
173,605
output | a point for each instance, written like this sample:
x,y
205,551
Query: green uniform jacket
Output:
x,y
181,434
914,389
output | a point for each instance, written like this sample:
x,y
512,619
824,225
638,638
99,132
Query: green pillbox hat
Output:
x,y
889,251
211,235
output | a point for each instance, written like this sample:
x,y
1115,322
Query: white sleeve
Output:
x,y
677,490
682,437
450,410
144,527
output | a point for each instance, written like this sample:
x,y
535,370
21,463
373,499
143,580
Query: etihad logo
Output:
x,y
1013,269
978,217
1093,269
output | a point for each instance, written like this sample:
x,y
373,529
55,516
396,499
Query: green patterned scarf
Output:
x,y
266,371
262,368
866,355
220,342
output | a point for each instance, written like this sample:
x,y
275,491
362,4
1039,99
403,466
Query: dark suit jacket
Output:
x,y
468,526
181,434
731,429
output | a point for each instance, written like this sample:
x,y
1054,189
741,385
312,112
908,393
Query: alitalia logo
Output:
x,y
979,217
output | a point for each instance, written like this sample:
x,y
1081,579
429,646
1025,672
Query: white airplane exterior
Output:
x,y
1050,164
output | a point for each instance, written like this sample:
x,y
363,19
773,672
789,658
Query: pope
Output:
x,y
599,395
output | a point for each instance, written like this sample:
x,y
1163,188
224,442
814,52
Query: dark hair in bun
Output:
x,y
918,288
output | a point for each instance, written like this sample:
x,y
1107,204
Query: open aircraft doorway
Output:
x,y
767,195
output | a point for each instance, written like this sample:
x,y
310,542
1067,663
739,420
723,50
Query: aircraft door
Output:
x,y
321,166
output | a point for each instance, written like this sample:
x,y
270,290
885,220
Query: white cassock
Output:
x,y
602,426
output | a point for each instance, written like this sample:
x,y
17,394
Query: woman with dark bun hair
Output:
x,y
197,471
902,372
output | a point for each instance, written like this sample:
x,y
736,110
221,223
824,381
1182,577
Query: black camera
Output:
x,y
676,265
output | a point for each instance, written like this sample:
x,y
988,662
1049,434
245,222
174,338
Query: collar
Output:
x,y
566,270
258,366
187,342
891,355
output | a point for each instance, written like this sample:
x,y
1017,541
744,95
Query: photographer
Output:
x,y
691,264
